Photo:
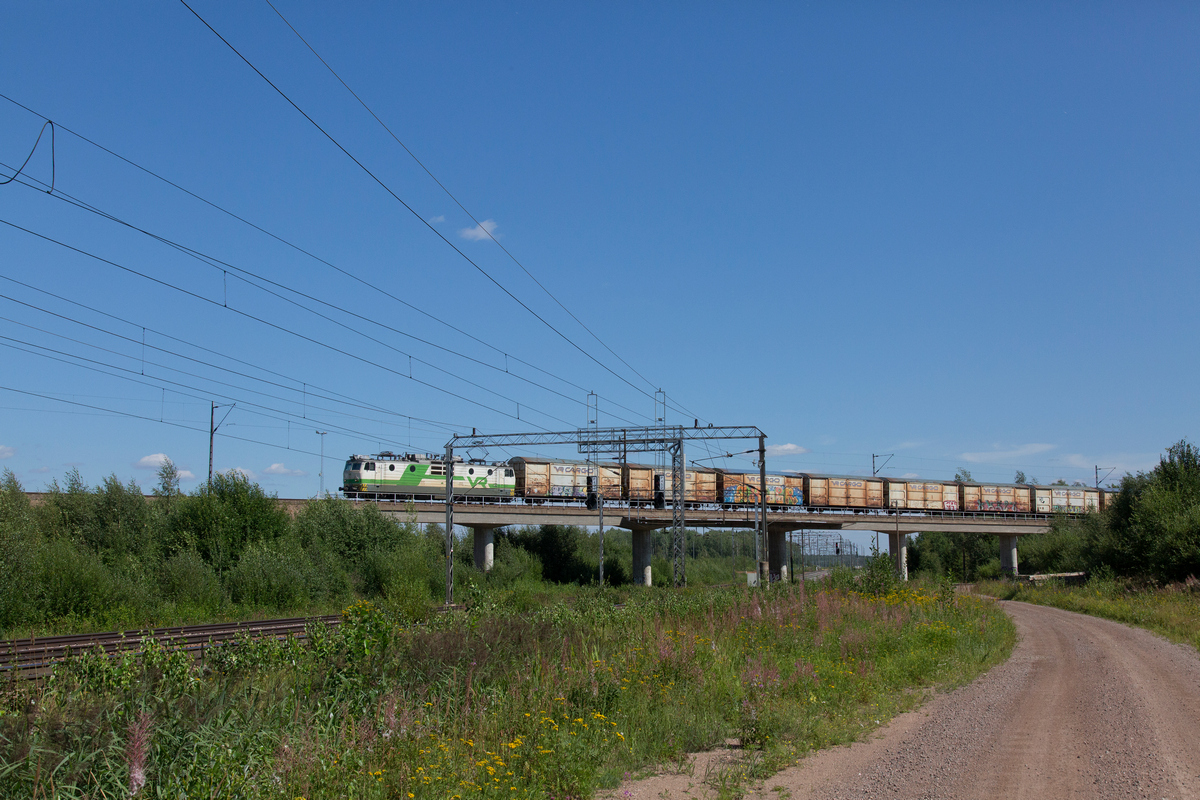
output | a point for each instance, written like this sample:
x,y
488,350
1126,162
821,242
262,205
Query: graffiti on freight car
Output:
x,y
994,505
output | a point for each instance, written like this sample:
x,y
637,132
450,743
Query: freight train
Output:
x,y
549,480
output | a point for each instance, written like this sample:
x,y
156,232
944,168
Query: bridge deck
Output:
x,y
495,515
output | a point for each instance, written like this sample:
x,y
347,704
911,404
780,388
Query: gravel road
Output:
x,y
1083,708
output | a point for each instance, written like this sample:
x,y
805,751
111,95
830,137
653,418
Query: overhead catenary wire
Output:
x,y
15,344
306,387
412,210
25,163
262,321
456,201
293,415
224,267
438,320
152,419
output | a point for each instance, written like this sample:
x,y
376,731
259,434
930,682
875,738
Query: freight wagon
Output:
x,y
996,497
843,491
923,495
538,478
742,488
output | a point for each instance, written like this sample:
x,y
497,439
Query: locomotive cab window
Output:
x,y
370,466
508,473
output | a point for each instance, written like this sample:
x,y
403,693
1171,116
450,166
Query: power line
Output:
x,y
33,150
260,320
336,397
152,419
4,340
224,266
410,209
449,194
432,317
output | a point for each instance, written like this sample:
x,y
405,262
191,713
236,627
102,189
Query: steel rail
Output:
x,y
34,657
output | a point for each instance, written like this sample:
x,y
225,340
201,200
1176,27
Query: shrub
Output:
x,y
185,578
879,576
513,564
18,554
350,531
224,517
71,580
275,575
386,572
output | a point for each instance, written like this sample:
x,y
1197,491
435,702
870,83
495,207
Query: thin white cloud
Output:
x,y
246,473
788,449
437,219
280,469
156,460
152,461
998,455
907,445
6,452
908,475
40,470
484,230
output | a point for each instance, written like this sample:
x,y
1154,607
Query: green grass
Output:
x,y
521,695
1173,612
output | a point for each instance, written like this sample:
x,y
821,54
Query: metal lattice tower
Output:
x,y
678,480
619,442
678,495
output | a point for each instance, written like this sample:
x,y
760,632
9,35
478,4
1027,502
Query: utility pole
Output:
x,y
213,426
1110,472
449,524
762,494
875,474
791,558
322,473
601,535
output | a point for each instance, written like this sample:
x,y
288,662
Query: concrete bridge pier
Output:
x,y
1008,554
485,547
643,549
898,545
777,554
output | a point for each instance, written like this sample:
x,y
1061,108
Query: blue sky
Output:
x,y
962,234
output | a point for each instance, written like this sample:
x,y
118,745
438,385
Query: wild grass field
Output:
x,y
499,700
1172,611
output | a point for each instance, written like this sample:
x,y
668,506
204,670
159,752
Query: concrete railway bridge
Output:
x,y
483,518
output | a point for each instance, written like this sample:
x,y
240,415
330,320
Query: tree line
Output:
x,y
108,556
1150,532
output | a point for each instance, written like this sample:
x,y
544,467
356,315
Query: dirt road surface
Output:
x,y
1083,708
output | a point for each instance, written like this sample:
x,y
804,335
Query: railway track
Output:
x,y
33,658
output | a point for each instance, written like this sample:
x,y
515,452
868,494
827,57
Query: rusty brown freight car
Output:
x,y
843,491
637,482
741,488
556,477
922,495
995,497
